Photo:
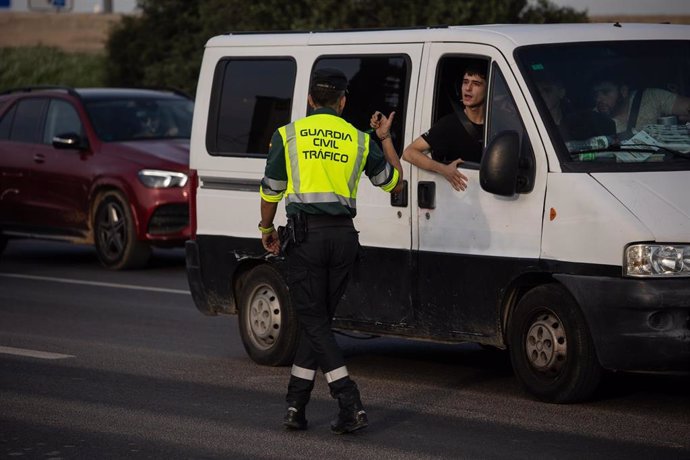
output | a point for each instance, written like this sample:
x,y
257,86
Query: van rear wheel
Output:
x,y
268,322
551,349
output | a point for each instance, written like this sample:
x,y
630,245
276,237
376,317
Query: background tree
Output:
x,y
163,46
160,48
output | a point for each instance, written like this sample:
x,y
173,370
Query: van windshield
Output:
x,y
613,105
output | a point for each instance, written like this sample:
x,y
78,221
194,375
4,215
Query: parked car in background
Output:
x,y
101,166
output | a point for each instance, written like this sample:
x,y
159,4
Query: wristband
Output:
x,y
385,136
266,230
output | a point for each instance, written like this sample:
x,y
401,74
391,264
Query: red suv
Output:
x,y
101,166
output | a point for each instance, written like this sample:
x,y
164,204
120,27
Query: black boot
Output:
x,y
295,418
351,416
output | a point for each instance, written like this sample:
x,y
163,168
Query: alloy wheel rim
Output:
x,y
112,231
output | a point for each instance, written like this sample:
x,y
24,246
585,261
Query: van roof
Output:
x,y
502,35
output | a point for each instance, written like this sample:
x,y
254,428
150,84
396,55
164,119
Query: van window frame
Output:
x,y
442,59
213,120
398,127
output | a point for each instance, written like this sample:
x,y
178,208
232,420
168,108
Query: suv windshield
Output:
x,y
123,119
613,106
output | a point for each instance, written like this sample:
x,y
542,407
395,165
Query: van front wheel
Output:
x,y
268,323
551,349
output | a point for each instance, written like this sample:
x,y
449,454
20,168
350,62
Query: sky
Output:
x,y
593,7
628,7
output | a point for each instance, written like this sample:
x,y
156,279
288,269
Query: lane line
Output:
x,y
33,353
95,283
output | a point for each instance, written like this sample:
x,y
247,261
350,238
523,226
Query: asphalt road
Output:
x,y
96,364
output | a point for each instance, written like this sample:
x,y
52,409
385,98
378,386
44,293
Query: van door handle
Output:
x,y
39,158
399,200
426,195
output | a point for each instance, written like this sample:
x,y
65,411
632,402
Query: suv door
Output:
x,y
62,197
20,133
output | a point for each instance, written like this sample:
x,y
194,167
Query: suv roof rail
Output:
x,y
176,91
27,89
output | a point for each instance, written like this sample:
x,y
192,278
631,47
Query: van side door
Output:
x,y
385,78
472,243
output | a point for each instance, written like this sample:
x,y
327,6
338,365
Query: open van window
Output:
x,y
376,82
613,106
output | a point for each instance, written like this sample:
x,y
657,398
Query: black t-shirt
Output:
x,y
449,140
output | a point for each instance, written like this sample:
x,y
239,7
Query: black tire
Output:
x,y
551,349
115,235
268,322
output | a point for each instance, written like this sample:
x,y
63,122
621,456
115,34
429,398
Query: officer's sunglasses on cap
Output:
x,y
329,86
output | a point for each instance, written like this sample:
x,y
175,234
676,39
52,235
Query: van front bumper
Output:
x,y
636,324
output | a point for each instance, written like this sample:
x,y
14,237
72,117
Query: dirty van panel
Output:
x,y
387,299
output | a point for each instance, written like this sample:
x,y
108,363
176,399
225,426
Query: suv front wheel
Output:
x,y
115,235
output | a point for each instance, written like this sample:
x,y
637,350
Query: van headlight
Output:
x,y
657,260
154,178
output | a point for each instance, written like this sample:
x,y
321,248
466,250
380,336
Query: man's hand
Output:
x,y
457,179
271,242
381,123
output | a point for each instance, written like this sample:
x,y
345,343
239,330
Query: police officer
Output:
x,y
316,163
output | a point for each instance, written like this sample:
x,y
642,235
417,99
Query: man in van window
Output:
x,y
456,137
316,163
633,109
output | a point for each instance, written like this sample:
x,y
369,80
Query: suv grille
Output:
x,y
169,218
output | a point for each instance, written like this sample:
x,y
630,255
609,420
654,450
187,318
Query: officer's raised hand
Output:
x,y
381,124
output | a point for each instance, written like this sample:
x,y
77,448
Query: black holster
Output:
x,y
294,232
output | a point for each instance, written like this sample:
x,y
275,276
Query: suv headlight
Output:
x,y
154,178
657,260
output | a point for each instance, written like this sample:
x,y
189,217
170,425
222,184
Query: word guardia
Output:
x,y
331,136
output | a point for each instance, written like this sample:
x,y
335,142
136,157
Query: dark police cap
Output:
x,y
329,79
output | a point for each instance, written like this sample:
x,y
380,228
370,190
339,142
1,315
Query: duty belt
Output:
x,y
315,221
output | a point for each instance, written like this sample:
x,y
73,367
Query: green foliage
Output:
x,y
545,12
160,48
163,47
43,65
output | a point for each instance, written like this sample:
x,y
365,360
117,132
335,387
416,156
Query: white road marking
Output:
x,y
95,283
33,353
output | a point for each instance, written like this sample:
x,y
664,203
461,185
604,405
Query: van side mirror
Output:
x,y
70,141
498,172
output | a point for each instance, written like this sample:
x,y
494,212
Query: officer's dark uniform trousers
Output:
x,y
319,270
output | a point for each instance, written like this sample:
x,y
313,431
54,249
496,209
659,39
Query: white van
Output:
x,y
570,246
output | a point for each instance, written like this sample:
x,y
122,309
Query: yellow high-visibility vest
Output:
x,y
325,157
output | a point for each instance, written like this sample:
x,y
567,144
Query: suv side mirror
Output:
x,y
70,141
498,173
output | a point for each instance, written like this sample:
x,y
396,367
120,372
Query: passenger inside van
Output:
x,y
572,124
633,109
458,136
